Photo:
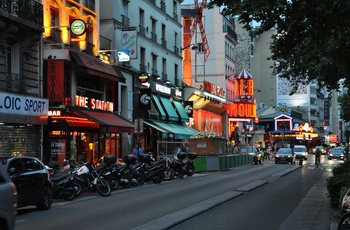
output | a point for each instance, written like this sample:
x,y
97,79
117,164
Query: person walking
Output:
x,y
317,157
137,151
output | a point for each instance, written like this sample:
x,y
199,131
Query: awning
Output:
x,y
96,67
153,114
172,115
180,131
159,107
154,126
109,122
182,112
72,120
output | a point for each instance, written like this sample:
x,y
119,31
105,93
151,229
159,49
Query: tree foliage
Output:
x,y
312,40
344,104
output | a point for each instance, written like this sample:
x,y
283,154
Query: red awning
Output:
x,y
74,122
112,122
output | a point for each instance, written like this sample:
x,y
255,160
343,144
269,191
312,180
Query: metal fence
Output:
x,y
211,155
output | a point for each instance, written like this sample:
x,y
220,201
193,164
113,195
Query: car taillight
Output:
x,y
14,188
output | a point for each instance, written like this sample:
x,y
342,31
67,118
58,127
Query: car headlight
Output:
x,y
331,154
277,155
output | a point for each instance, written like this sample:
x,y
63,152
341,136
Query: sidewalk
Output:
x,y
314,211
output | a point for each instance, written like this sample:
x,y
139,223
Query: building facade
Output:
x,y
85,93
23,110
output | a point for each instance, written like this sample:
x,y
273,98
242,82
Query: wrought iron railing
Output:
x,y
142,30
154,37
29,10
143,68
15,83
125,20
56,35
90,4
229,31
163,6
164,43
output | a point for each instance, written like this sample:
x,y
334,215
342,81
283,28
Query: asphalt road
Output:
x,y
166,205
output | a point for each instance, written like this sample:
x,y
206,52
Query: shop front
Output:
x,y
83,121
21,120
163,115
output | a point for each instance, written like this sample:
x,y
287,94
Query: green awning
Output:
x,y
182,112
154,126
180,131
169,108
159,107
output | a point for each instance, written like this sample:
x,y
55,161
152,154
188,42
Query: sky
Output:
x,y
189,2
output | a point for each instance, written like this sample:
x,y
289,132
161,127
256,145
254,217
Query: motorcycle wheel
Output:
x,y
103,187
190,172
78,188
158,178
69,193
126,180
169,174
141,178
344,222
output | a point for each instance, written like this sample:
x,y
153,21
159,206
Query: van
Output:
x,y
300,151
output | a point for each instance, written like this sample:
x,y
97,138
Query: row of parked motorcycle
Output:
x,y
72,180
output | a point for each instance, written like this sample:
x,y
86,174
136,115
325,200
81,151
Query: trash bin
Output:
x,y
301,161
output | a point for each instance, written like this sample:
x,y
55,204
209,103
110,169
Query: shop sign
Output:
x,y
242,110
93,103
55,113
143,78
163,89
213,89
244,87
77,27
15,104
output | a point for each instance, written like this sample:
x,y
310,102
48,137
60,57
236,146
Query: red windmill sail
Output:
x,y
198,20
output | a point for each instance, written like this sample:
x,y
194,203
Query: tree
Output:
x,y
344,104
312,40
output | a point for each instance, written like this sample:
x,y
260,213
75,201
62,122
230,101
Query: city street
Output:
x,y
219,200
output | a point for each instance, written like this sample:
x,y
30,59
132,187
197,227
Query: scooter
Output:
x,y
182,167
63,186
153,170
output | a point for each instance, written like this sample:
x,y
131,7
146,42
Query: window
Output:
x,y
31,165
154,30
54,17
143,60
16,165
154,64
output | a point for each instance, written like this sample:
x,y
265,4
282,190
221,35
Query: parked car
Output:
x,y
8,201
300,151
32,181
285,155
321,148
336,153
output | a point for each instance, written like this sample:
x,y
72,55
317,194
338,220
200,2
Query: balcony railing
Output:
x,y
29,10
143,68
162,6
154,71
56,35
90,4
176,50
175,16
15,83
142,30
154,37
230,32
164,43
125,20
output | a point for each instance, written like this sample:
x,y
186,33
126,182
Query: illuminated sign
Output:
x,y
77,27
93,103
143,78
213,89
163,89
244,87
242,110
55,113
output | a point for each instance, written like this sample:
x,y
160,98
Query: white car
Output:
x,y
300,151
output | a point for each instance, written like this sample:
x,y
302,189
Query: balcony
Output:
x,y
55,35
29,10
125,20
15,83
163,6
164,43
142,30
154,72
175,16
143,68
154,37
176,50
230,32
90,4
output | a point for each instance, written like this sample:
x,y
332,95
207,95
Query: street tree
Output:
x,y
311,41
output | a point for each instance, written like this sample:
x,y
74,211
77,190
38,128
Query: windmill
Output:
x,y
198,21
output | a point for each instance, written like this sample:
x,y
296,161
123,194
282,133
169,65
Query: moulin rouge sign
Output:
x,y
244,106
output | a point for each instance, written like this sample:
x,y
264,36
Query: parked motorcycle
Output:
x,y
180,167
63,186
344,221
92,179
153,170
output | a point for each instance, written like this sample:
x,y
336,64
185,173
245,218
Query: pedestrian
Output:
x,y
262,151
268,152
136,151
